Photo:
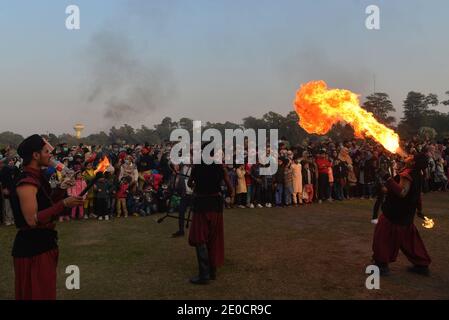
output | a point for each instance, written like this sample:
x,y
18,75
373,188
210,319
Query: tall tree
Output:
x,y
416,106
164,129
380,105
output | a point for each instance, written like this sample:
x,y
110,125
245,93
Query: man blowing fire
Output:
x,y
395,229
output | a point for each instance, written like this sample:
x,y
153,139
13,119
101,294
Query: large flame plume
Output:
x,y
319,109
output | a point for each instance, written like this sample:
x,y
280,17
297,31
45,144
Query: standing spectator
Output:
x,y
267,189
279,183
256,184
369,176
121,195
233,179
440,177
241,189
75,191
307,181
323,175
288,183
7,177
102,190
89,175
249,186
331,182
352,183
340,175
297,181
134,200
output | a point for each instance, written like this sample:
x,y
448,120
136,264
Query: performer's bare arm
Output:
x,y
28,204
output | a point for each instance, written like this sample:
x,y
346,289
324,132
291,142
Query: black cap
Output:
x,y
34,143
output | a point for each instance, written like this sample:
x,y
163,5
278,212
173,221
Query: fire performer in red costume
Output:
x,y
35,248
395,229
206,231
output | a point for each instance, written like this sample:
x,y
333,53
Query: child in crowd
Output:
x,y
102,190
121,195
74,191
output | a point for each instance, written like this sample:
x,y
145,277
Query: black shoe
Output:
x,y
421,270
384,270
198,280
177,234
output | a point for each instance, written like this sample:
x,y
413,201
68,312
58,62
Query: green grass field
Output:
x,y
313,252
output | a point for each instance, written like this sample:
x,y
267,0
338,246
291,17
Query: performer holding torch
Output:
x,y
35,248
206,232
395,229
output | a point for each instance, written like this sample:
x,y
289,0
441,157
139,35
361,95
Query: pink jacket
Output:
x,y
77,188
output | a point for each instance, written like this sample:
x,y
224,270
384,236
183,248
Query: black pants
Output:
x,y
323,186
257,193
241,199
101,206
268,194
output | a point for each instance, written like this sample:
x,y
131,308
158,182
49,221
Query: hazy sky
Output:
x,y
216,60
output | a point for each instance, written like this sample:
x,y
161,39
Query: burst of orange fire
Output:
x,y
319,109
102,166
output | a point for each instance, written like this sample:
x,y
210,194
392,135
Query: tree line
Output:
x,y
418,119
